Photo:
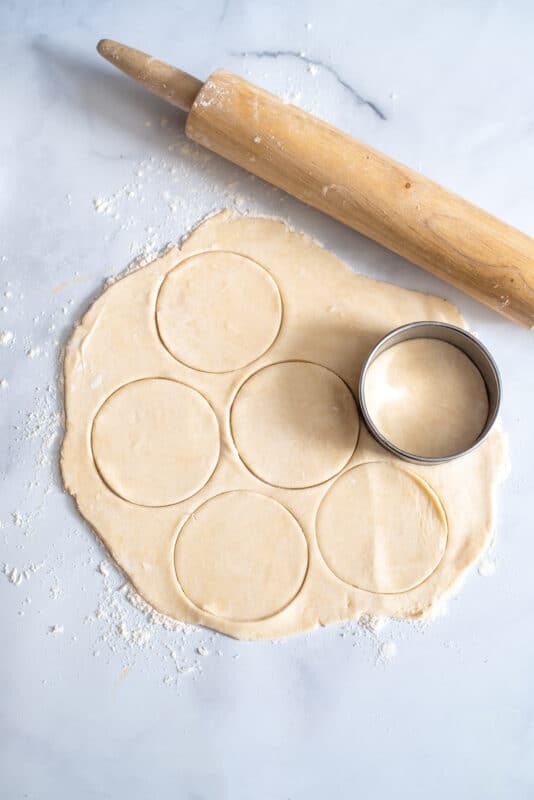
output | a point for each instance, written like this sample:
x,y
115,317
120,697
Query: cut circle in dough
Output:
x,y
295,424
427,397
381,529
155,441
241,556
218,311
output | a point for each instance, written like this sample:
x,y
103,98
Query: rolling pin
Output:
x,y
345,178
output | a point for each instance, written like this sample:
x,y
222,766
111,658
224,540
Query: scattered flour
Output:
x,y
16,576
54,591
7,338
102,206
43,423
373,624
388,651
56,629
487,567
162,198
127,627
13,575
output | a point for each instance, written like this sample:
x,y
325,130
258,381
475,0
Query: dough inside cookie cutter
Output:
x,y
469,346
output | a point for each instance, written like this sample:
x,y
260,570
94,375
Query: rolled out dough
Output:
x,y
213,440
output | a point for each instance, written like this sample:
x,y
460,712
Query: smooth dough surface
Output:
x,y
309,424
202,390
218,311
427,397
381,529
155,442
258,556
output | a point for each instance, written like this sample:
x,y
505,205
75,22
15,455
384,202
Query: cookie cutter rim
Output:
x,y
464,341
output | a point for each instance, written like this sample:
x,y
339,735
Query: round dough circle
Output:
x,y
241,556
295,424
427,397
381,529
218,312
155,442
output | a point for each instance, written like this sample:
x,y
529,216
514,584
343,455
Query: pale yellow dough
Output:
x,y
382,529
309,424
213,440
241,556
199,311
155,442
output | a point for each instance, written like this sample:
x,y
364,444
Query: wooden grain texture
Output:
x,y
172,84
366,190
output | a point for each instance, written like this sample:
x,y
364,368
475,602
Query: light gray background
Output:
x,y
85,713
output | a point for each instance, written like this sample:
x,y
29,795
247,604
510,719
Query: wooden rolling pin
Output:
x,y
366,190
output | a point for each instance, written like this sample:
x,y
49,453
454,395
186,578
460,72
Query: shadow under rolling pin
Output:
x,y
348,180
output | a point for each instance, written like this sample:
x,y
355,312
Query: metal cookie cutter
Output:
x,y
464,341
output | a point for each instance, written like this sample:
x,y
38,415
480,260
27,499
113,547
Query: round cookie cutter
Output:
x,y
464,341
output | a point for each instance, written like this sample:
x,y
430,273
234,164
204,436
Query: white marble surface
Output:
x,y
446,87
